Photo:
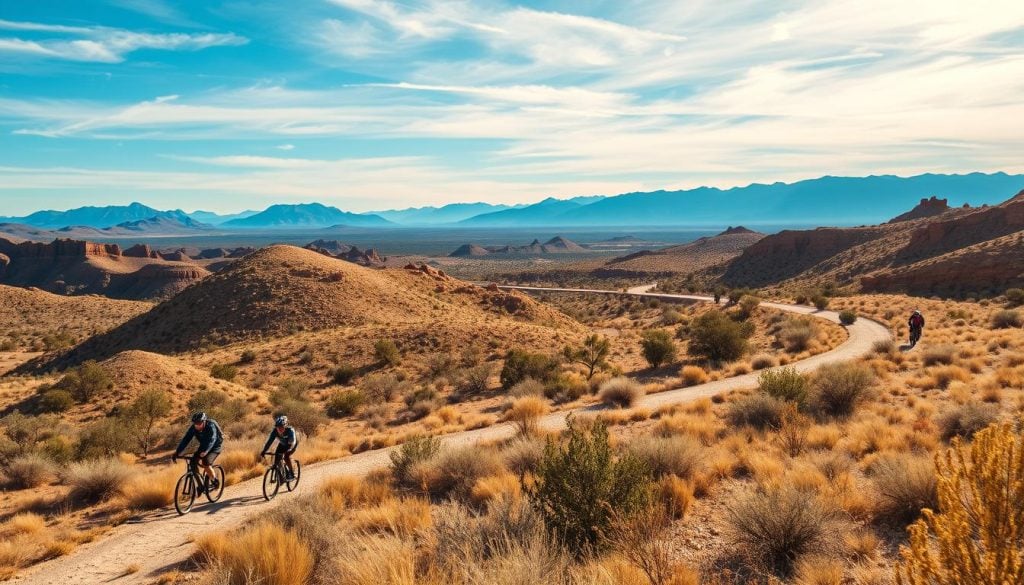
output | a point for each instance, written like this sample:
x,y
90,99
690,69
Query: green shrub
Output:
x,y
454,472
759,411
847,317
225,372
57,340
343,374
820,302
55,400
206,400
784,384
104,438
1014,297
302,415
716,337
380,388
85,381
387,352
657,347
796,333
565,388
144,414
25,431
474,380
581,488
839,388
411,453
593,354
248,356
748,304
521,364
344,403
1006,319
290,389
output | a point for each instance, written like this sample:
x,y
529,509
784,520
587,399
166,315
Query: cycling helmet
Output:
x,y
281,421
917,312
198,417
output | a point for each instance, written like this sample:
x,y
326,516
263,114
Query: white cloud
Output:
x,y
103,44
285,147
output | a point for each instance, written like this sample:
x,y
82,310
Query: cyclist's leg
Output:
x,y
208,464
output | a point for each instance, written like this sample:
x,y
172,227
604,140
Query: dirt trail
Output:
x,y
161,540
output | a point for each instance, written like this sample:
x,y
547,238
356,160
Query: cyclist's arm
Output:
x,y
270,441
294,440
189,434
211,440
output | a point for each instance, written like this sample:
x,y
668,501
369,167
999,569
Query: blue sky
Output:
x,y
369,104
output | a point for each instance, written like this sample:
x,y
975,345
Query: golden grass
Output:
x,y
525,413
400,517
692,375
152,490
24,523
676,494
495,487
819,571
344,492
264,553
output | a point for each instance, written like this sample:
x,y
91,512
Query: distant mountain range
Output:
x,y
159,225
823,201
306,215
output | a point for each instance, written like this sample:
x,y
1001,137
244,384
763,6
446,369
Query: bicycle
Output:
x,y
193,482
915,336
272,479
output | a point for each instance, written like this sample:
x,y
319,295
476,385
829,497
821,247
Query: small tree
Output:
x,y
387,352
593,353
145,414
716,337
86,381
521,364
978,537
658,347
581,488
748,304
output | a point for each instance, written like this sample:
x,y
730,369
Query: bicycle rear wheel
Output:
x,y
214,494
297,469
184,494
271,483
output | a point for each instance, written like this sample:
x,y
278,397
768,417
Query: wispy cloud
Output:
x,y
103,44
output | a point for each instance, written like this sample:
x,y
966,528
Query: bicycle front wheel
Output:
x,y
297,469
184,494
214,494
270,484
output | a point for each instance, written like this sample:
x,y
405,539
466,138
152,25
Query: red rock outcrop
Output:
x,y
928,207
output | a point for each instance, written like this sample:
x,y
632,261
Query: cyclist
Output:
x,y
287,443
211,440
916,324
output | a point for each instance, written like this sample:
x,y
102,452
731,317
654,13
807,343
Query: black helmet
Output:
x,y
281,421
198,417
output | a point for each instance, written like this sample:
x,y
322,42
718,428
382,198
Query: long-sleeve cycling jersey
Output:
x,y
210,438
289,439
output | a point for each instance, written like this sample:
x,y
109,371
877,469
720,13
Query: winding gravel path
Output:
x,y
161,540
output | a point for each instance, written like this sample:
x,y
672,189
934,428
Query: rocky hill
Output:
x,y
956,251
81,267
686,258
926,208
556,245
281,291
347,252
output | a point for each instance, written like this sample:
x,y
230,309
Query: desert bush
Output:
x,y
1006,319
837,389
847,317
820,302
292,389
884,347
454,472
693,375
592,354
796,334
57,340
29,471
440,364
938,354
759,411
980,494
342,403
523,455
224,372
762,361
96,480
26,432
55,400
657,347
966,420
778,524
105,437
906,485
304,416
382,387
206,400
678,455
144,414
580,487
716,337
474,380
747,305
566,387
520,365
621,391
526,387
525,413
343,374
85,381
413,452
784,384
1014,297
386,352
150,491
247,357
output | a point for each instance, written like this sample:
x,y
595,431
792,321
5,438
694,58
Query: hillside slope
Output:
x,y
686,258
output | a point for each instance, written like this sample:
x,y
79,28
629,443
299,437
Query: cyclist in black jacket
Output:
x,y
287,443
211,441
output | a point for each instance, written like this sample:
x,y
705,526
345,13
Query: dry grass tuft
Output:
x,y
150,491
96,480
264,553
621,391
692,375
525,413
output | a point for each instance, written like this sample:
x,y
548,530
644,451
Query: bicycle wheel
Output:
x,y
294,483
270,484
214,494
184,494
